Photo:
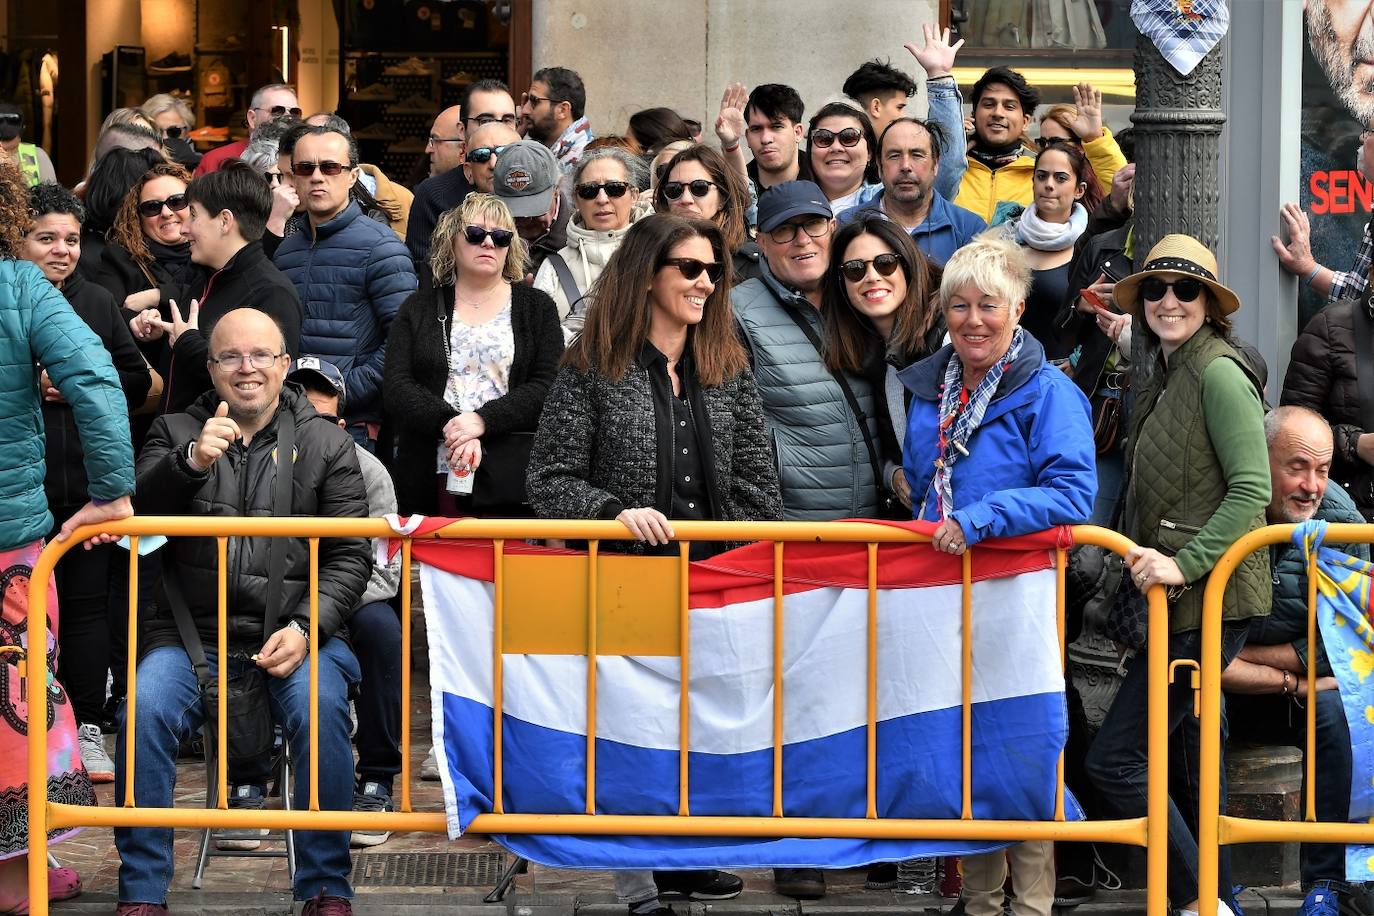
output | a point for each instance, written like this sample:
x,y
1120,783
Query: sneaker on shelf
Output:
x,y
374,93
414,104
375,131
429,769
410,145
461,78
882,877
710,884
1321,900
91,742
802,883
173,61
320,905
374,799
243,798
411,66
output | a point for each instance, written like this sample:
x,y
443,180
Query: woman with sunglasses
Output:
x,y
1197,478
468,363
880,317
840,142
699,184
606,186
1065,190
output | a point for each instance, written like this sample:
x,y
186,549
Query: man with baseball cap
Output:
x,y
527,180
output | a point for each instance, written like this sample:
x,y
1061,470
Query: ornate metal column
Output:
x,y
1178,121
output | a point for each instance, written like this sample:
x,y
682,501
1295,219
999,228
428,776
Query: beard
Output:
x,y
1339,63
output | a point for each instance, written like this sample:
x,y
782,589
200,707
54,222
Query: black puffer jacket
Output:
x,y
326,482
1321,376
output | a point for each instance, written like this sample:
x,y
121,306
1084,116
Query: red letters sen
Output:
x,y
1340,191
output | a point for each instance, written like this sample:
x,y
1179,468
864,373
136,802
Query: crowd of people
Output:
x,y
874,315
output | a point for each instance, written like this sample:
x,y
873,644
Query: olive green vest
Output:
x,y
1176,479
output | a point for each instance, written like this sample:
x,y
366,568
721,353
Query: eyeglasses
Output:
x,y
613,189
434,139
11,119
822,138
483,154
277,111
691,268
535,100
274,177
815,227
672,190
487,117
885,264
258,359
476,235
1044,142
326,167
150,208
172,133
1152,289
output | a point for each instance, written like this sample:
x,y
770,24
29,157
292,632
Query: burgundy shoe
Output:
x,y
320,905
141,909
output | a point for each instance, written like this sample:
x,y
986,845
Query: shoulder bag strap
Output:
x,y
1364,361
281,508
181,613
565,279
849,397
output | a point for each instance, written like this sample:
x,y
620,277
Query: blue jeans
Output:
x,y
1119,766
169,710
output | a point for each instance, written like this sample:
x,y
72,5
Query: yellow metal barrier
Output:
x,y
1216,829
44,815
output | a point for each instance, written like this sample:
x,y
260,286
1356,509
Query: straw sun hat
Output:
x,y
1179,254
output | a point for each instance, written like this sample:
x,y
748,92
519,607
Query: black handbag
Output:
x,y
500,480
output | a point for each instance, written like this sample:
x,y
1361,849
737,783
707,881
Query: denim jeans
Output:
x,y
1119,766
169,710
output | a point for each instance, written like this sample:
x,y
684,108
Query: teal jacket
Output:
x,y
38,328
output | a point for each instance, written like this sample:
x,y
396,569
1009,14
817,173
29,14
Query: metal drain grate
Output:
x,y
428,869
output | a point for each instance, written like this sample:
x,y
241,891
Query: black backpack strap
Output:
x,y
281,508
849,397
181,613
565,279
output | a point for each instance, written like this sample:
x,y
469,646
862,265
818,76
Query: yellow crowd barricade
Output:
x,y
44,815
1216,829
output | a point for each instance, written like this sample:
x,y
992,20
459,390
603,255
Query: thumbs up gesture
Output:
x,y
215,437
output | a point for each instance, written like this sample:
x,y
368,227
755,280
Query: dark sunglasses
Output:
x,y
613,189
172,133
691,268
885,264
848,137
326,167
483,154
1044,142
672,190
10,118
277,111
476,235
176,203
274,177
1152,289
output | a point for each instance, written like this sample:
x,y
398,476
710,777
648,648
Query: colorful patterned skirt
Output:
x,y
67,780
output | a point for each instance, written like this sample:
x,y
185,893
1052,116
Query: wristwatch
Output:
x,y
296,625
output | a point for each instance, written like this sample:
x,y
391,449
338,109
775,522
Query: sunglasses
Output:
x,y
277,111
326,167
885,264
1044,142
848,137
672,190
1152,289
10,118
613,189
483,154
476,235
691,268
173,133
150,208
274,177
535,101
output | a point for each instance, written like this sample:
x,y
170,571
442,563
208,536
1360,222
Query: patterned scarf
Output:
x,y
961,413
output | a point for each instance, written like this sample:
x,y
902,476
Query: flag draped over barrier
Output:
x,y
1018,712
1343,613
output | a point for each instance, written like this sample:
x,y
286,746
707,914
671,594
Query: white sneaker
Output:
x,y
91,741
429,769
242,797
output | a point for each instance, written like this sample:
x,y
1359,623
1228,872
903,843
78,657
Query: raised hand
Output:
x,y
937,56
1088,101
218,433
178,325
730,120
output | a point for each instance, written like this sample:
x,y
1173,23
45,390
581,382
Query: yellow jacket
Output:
x,y
982,189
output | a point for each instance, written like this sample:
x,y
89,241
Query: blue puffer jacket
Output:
x,y
352,274
1031,464
38,327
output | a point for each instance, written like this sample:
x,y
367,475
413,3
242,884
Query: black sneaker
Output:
x,y
371,798
882,877
802,883
698,885
1072,890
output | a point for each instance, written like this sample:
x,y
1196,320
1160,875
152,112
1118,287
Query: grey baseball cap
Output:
x,y
526,178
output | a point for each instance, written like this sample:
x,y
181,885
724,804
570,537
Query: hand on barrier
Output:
x,y
215,436
1149,567
647,524
949,538
94,514
283,652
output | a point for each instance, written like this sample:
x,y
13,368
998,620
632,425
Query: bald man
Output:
x,y
445,145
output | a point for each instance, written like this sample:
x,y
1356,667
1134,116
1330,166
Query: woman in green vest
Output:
x,y
1197,476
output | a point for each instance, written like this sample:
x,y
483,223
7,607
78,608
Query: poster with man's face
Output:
x,y
1337,103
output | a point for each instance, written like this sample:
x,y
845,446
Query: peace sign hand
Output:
x,y
178,325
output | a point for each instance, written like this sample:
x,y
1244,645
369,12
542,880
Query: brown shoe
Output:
x,y
320,905
141,909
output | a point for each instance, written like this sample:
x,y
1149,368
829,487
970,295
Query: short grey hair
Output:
x,y
636,172
271,87
1275,420
163,101
261,154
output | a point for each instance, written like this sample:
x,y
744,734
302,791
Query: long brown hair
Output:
x,y
620,310
127,230
734,196
848,333
14,208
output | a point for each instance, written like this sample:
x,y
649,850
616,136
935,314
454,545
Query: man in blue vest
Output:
x,y
32,159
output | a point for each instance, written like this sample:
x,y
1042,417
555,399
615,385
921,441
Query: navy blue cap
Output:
x,y
781,202
321,368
